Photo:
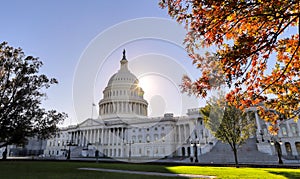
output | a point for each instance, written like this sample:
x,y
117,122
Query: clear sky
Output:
x,y
60,32
81,44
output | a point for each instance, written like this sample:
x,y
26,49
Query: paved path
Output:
x,y
148,173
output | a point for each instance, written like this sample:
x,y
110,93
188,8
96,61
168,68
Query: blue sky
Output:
x,y
63,32
59,32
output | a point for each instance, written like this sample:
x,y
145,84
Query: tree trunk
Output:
x,y
235,157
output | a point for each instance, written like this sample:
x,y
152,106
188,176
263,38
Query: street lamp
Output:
x,y
195,144
277,145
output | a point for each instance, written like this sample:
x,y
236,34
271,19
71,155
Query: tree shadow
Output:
x,y
290,175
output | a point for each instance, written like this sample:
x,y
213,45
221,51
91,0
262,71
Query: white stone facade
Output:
x,y
288,135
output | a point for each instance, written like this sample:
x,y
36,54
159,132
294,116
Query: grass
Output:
x,y
49,169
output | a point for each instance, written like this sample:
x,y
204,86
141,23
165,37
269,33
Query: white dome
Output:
x,y
122,94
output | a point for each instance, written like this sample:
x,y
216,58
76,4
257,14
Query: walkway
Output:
x,y
148,173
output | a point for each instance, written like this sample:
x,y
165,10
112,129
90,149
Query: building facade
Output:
x,y
124,131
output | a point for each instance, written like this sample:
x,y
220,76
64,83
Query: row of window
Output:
x,y
288,148
122,92
293,127
58,143
149,138
148,129
134,150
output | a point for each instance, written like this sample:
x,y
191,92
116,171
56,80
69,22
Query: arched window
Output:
x,y
134,139
294,129
288,148
140,137
148,138
283,130
298,147
155,137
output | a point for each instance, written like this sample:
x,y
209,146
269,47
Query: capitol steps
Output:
x,y
247,153
76,151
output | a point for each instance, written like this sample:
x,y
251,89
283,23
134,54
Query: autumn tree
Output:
x,y
22,89
257,51
228,123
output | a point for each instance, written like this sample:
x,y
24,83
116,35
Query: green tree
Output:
x,y
21,94
228,123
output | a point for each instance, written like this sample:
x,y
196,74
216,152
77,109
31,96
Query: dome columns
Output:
x,y
123,107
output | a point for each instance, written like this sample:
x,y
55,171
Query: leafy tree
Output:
x,y
228,123
248,35
21,93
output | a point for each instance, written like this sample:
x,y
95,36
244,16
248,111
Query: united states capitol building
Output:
x,y
124,131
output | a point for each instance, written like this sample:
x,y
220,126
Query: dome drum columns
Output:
x,y
123,108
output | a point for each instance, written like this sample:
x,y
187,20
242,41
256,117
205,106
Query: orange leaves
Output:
x,y
253,33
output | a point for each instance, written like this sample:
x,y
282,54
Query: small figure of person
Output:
x,y
4,154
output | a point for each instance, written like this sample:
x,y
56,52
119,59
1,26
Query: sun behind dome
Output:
x,y
123,96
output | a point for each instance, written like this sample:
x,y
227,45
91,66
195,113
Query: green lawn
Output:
x,y
46,169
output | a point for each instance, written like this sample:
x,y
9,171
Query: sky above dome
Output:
x,y
81,44
60,32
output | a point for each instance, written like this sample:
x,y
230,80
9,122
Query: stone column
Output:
x,y
102,138
289,131
109,138
81,137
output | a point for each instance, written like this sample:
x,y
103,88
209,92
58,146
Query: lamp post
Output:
x,y
195,144
277,145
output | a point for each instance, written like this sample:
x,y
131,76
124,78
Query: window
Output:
x,y
140,138
163,137
148,138
294,129
155,137
134,138
162,128
283,130
298,147
288,148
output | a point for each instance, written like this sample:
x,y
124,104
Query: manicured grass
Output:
x,y
232,172
49,169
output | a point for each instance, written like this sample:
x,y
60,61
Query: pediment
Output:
x,y
90,123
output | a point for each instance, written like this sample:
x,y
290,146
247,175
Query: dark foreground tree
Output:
x,y
257,47
22,89
228,123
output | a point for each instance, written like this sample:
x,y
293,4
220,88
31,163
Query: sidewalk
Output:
x,y
147,173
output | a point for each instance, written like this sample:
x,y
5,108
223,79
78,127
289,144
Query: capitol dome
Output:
x,y
122,95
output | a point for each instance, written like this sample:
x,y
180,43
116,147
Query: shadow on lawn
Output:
x,y
286,174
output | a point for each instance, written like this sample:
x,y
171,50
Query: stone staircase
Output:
x,y
76,151
247,153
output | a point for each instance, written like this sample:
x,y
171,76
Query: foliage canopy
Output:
x,y
249,36
21,93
